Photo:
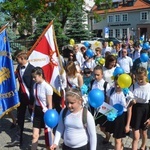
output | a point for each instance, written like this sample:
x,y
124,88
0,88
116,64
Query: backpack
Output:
x,y
112,91
104,86
84,115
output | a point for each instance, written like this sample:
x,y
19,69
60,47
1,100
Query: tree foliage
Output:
x,y
76,26
22,13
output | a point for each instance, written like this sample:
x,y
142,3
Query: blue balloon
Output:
x,y
111,116
118,71
144,57
89,53
146,46
125,91
84,89
148,76
86,44
51,118
96,98
141,45
141,38
148,69
119,107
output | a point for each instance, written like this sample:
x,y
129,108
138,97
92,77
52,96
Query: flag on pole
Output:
x,y
9,95
45,54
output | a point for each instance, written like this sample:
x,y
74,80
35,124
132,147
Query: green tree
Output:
x,y
76,26
22,12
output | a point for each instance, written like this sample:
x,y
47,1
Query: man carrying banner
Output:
x,y
23,73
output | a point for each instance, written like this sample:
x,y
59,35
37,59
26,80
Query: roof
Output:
x,y
138,4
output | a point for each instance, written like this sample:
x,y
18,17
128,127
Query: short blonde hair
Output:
x,y
75,46
98,49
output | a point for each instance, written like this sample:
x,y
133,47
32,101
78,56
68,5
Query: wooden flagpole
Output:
x,y
40,37
5,26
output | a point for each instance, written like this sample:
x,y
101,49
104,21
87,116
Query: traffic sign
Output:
x,y
106,32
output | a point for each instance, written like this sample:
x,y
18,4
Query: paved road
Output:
x,y
6,134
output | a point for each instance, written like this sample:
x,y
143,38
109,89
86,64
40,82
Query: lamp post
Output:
x,y
91,19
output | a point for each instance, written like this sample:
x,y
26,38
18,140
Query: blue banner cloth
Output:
x,y
9,98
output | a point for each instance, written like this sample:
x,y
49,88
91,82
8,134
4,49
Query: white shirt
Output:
x,y
119,98
141,92
107,75
100,85
136,54
91,65
104,50
75,134
125,63
73,81
43,89
80,58
22,70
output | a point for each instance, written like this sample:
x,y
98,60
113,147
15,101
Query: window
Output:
x,y
124,17
124,33
110,19
144,15
117,18
117,33
111,33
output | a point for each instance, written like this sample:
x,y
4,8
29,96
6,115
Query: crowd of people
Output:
x,y
80,69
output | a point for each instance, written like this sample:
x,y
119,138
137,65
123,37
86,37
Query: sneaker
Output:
x,y
13,143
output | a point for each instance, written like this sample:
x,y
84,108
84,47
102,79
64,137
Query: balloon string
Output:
x,y
104,122
103,114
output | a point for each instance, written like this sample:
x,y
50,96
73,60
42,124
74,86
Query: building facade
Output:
x,y
127,19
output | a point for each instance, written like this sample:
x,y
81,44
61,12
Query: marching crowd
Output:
x,y
95,71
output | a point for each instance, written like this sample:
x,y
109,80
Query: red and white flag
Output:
x,y
45,54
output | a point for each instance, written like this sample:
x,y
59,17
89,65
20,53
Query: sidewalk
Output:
x,y
7,134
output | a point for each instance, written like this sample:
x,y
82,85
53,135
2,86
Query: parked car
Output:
x,y
113,39
98,39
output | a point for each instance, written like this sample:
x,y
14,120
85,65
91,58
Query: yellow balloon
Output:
x,y
124,81
72,42
102,61
111,43
96,43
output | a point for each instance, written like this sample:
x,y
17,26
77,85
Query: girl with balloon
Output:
x,y
71,127
101,84
140,110
43,101
121,125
